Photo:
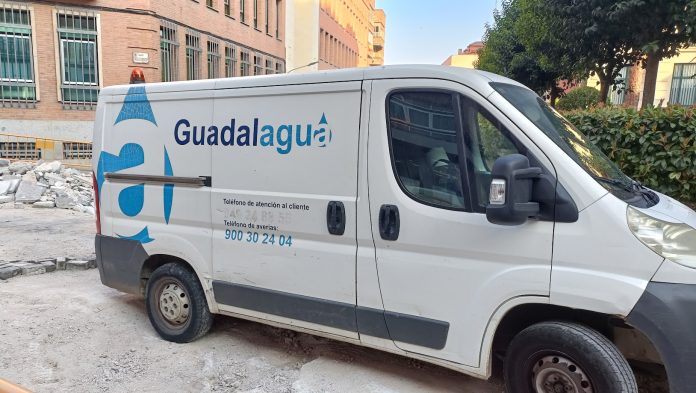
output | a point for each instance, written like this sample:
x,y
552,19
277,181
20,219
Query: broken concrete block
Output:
x,y
9,185
6,198
44,204
77,265
53,166
29,192
30,177
4,162
20,167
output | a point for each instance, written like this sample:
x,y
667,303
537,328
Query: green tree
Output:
x,y
599,36
507,49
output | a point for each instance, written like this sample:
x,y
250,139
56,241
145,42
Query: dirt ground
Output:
x,y
32,233
65,332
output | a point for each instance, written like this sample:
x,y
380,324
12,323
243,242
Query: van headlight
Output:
x,y
674,241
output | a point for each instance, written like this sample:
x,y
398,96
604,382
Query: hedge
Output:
x,y
656,146
584,97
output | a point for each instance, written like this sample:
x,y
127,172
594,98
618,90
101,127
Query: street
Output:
x,y
66,332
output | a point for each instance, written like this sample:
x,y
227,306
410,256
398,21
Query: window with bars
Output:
x,y
277,15
227,7
17,84
230,60
279,67
618,91
213,58
169,50
77,35
256,14
269,67
258,64
244,63
193,55
267,17
683,91
242,10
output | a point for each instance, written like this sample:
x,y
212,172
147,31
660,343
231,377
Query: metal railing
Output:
x,y
30,148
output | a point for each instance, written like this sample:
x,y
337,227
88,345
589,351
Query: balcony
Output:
x,y
378,41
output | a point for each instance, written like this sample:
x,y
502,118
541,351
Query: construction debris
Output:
x,y
45,185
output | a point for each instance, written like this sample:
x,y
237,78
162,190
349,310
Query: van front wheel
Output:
x,y
566,357
176,304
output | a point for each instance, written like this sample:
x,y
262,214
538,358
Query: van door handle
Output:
x,y
336,218
389,224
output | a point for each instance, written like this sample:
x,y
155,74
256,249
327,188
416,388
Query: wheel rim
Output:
x,y
173,303
559,374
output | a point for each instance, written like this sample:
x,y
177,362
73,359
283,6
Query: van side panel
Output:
x,y
140,142
284,167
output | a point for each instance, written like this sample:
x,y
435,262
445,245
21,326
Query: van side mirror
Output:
x,y
511,191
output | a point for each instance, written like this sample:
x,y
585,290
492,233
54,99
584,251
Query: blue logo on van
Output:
x,y
282,137
132,198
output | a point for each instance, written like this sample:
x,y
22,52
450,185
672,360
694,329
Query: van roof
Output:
x,y
476,79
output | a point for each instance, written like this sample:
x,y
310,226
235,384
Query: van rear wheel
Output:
x,y
176,304
566,357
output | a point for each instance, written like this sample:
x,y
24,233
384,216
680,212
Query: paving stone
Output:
x,y
61,262
30,269
50,266
77,265
9,272
29,192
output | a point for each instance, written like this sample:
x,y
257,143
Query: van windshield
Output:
x,y
576,145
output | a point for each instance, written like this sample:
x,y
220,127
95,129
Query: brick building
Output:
x,y
328,34
56,55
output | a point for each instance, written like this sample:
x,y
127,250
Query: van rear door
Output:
x,y
284,203
443,268
149,172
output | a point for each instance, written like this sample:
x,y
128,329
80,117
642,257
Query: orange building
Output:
x,y
328,34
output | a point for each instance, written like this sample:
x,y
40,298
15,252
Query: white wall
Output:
x,y
52,129
302,35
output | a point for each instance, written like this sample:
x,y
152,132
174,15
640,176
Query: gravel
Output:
x,y
65,332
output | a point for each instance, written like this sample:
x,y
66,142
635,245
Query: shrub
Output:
x,y
656,146
581,98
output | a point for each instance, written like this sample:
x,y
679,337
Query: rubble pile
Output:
x,y
45,185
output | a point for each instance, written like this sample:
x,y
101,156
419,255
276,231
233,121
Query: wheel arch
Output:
x,y
153,262
632,343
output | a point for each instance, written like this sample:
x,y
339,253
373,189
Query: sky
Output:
x,y
429,31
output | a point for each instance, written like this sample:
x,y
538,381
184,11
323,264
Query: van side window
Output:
x,y
487,140
425,147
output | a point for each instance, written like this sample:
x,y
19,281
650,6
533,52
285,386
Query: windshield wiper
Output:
x,y
645,192
617,183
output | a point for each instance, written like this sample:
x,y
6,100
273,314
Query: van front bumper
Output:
x,y
120,262
666,314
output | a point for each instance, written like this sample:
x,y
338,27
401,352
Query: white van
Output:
x,y
443,214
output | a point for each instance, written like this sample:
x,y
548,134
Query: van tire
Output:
x,y
547,352
192,319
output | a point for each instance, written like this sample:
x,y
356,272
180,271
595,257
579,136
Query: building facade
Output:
x,y
329,34
465,58
675,84
55,56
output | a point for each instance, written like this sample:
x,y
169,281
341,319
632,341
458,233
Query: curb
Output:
x,y
12,269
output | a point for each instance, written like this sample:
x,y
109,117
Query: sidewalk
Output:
x,y
35,241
